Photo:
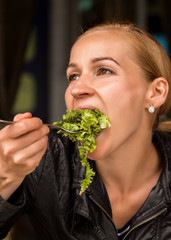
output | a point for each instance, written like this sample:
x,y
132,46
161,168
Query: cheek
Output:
x,y
114,97
125,105
68,99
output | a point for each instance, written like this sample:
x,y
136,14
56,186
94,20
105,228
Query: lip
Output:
x,y
91,107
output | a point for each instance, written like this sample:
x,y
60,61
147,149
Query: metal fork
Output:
x,y
48,124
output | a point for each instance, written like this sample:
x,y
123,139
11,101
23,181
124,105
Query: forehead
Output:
x,y
102,42
105,44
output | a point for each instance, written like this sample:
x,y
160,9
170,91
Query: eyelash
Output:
x,y
103,70
100,71
71,77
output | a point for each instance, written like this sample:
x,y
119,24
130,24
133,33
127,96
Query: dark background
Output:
x,y
35,40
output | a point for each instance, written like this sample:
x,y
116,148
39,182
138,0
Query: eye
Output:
x,y
72,77
104,71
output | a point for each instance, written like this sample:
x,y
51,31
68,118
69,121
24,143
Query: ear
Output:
x,y
157,92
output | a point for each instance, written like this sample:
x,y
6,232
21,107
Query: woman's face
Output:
x,y
103,74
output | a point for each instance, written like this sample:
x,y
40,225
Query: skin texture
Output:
x,y
103,74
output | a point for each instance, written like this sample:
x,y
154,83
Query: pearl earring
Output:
x,y
151,109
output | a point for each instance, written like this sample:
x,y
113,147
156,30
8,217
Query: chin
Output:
x,y
102,145
98,153
93,156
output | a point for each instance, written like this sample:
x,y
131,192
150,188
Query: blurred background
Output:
x,y
35,40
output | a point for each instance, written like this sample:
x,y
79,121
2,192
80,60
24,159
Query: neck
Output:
x,y
130,166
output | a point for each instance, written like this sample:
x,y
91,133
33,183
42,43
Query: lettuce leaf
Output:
x,y
87,124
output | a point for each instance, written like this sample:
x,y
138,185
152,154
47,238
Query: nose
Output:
x,y
82,87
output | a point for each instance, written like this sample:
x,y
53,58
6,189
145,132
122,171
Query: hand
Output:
x,y
22,146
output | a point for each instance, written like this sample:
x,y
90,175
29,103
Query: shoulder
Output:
x,y
162,142
61,150
55,167
162,139
57,144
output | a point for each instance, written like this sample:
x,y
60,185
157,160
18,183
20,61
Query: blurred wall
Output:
x,y
63,23
16,18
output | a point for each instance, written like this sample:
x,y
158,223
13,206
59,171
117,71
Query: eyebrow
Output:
x,y
94,60
105,58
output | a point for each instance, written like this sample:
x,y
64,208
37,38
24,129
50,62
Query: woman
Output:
x,y
121,70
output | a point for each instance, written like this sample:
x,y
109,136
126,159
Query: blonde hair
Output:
x,y
150,56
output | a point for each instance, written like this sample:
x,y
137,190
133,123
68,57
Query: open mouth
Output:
x,y
89,107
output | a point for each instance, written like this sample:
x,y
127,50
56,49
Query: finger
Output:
x,y
28,166
31,137
35,160
22,127
26,159
13,145
22,116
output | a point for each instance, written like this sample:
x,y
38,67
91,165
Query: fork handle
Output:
x,y
5,121
11,122
48,124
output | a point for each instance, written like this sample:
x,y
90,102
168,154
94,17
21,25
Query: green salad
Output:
x,y
86,124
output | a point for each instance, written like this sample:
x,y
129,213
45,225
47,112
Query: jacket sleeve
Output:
x,y
23,198
17,204
11,210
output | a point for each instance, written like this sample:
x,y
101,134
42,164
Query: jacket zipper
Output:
x,y
145,221
102,210
136,226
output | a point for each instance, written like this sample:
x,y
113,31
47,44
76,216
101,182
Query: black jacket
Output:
x,y
50,196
